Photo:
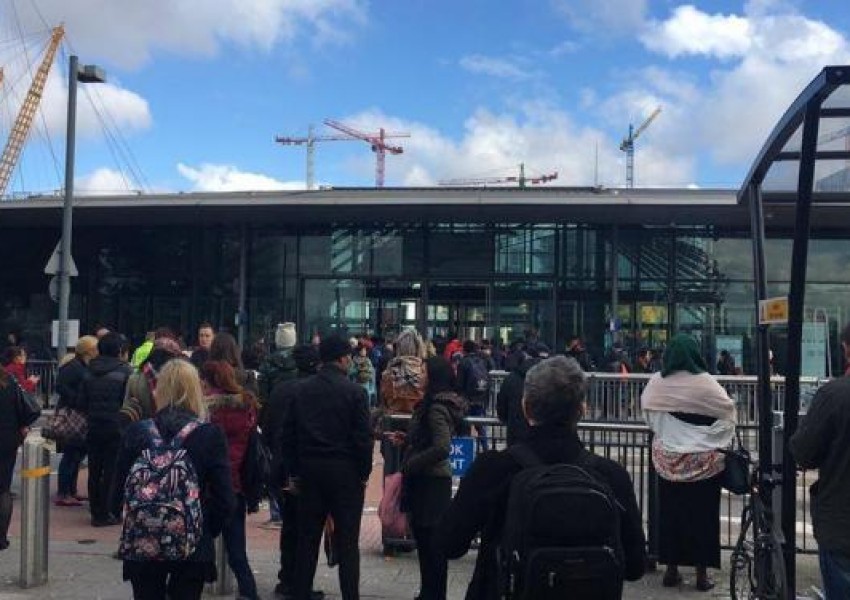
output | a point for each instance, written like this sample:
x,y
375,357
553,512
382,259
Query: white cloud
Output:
x,y
543,137
228,178
493,66
603,18
691,31
128,33
724,118
103,181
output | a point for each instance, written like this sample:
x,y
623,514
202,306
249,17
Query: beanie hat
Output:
x,y
333,347
306,358
284,336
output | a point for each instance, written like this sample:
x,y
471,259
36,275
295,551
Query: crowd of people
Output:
x,y
176,441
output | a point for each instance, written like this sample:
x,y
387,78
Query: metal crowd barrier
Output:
x,y
46,371
629,444
615,397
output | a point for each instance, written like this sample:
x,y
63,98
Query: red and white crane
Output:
x,y
378,142
520,179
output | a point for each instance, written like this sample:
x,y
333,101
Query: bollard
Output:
x,y
223,585
35,511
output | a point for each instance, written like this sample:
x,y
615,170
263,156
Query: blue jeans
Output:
x,y
835,572
69,469
233,536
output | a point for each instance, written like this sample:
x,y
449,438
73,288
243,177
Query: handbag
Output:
x,y
28,408
736,475
69,425
393,519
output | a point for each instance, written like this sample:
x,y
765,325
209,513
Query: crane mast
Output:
x,y
628,146
23,122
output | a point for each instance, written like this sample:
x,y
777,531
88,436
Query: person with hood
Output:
x,y
403,386
179,400
280,365
306,358
692,418
509,400
138,400
234,410
69,380
428,472
101,398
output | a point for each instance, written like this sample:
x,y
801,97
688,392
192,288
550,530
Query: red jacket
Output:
x,y
236,418
20,373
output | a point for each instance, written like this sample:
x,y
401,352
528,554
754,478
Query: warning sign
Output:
x,y
773,311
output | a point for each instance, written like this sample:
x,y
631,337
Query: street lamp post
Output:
x,y
85,74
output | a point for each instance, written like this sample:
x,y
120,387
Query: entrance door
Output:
x,y
396,305
464,310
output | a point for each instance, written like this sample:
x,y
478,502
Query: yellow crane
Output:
x,y
23,122
628,146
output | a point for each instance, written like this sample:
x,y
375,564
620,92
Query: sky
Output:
x,y
198,89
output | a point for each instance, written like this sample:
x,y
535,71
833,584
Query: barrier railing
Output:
x,y
616,397
46,371
629,444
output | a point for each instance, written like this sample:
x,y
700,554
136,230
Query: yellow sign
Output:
x,y
773,311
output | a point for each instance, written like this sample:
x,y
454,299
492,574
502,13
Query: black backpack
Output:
x,y
477,382
561,537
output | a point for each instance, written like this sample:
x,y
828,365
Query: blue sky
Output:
x,y
198,89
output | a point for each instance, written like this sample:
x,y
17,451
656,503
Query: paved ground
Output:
x,y
81,565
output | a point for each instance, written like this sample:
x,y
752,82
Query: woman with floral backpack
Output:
x,y
149,564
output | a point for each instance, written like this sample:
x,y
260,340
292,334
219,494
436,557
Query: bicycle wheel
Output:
x,y
773,587
741,572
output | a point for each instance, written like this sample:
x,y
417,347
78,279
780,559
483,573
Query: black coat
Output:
x,y
509,402
481,502
102,395
10,423
207,449
821,443
328,419
271,422
69,381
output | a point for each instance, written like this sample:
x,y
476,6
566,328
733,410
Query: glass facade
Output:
x,y
475,280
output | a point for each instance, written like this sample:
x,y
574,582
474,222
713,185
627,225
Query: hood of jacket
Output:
x,y
405,370
101,365
216,399
456,404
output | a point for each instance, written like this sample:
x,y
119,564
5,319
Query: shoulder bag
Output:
x,y
736,475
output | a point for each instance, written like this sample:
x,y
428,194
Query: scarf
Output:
x,y
682,354
698,394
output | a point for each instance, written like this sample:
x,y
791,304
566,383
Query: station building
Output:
x,y
627,265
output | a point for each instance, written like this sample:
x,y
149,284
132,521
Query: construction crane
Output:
x,y
310,142
23,122
521,179
628,146
377,141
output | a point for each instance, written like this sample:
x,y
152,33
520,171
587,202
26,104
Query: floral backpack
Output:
x,y
162,501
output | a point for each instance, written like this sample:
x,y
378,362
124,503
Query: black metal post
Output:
x,y
796,299
763,391
67,210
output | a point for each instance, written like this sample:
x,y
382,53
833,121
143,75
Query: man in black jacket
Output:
x,y
306,359
327,451
553,402
101,397
509,400
823,442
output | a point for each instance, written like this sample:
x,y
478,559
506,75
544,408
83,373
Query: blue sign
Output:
x,y
461,455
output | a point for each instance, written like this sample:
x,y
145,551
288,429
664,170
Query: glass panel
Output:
x,y
522,307
462,252
336,305
525,250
